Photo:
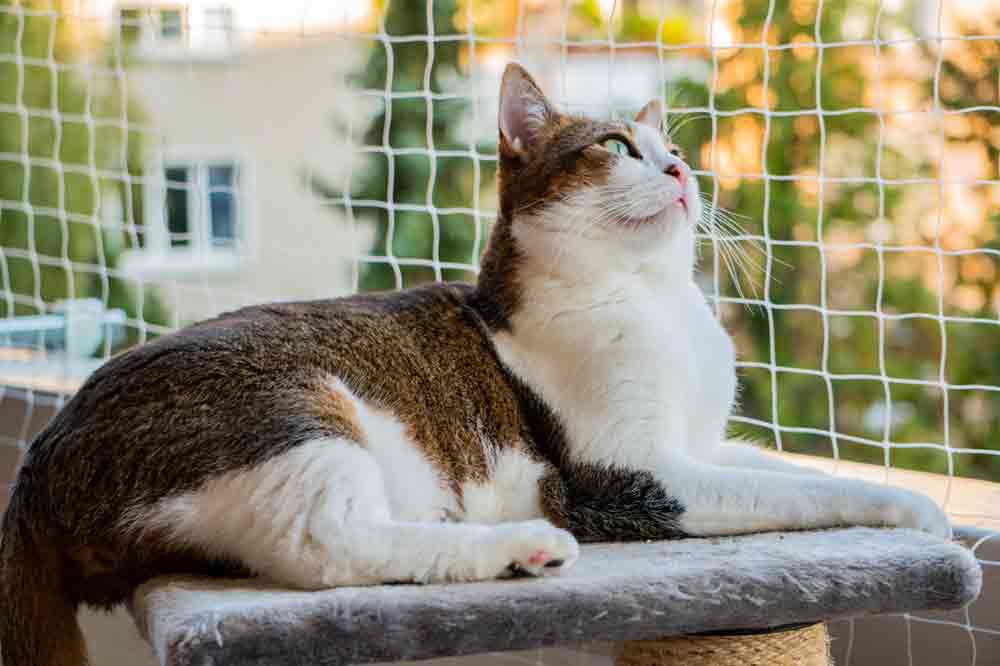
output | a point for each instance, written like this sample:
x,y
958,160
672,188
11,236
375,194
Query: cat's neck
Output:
x,y
530,274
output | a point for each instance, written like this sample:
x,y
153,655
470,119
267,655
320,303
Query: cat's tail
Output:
x,y
38,625
608,503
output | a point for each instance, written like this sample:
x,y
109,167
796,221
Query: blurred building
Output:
x,y
240,110
241,102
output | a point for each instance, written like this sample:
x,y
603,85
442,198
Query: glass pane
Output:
x,y
222,204
219,18
130,21
171,24
178,224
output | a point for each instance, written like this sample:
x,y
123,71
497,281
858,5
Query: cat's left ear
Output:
x,y
651,115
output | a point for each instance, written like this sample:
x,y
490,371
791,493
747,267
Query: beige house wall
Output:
x,y
273,108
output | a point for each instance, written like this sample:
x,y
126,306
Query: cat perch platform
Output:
x,y
625,593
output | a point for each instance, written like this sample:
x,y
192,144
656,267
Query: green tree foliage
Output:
x,y
852,218
424,188
840,250
970,79
65,142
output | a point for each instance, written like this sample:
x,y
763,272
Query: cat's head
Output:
x,y
606,193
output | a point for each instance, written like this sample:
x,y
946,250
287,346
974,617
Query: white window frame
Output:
x,y
208,33
199,203
151,23
221,18
159,257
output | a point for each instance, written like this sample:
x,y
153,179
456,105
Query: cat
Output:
x,y
579,392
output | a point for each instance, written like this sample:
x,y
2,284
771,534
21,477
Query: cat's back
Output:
x,y
278,329
361,336
233,391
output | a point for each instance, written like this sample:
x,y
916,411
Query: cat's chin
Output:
x,y
675,212
642,222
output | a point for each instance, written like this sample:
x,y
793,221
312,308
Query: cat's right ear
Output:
x,y
524,111
651,115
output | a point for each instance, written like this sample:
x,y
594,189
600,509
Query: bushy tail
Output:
x,y
606,503
38,625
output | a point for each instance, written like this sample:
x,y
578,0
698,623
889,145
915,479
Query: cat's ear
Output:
x,y
652,115
524,111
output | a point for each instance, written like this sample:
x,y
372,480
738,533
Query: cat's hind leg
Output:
x,y
318,516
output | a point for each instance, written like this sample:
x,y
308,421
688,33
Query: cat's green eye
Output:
x,y
617,147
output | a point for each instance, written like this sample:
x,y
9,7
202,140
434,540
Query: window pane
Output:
x,y
178,224
222,202
219,21
131,25
171,24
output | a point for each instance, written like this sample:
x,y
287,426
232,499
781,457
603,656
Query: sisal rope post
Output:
x,y
804,646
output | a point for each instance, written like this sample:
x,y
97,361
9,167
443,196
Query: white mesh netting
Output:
x,y
163,161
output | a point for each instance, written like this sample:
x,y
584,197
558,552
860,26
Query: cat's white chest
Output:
x,y
628,368
714,355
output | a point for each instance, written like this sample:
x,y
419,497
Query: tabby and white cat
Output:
x,y
451,432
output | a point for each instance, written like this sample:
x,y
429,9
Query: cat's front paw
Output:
x,y
905,508
531,547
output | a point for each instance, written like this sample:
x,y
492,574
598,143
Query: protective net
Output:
x,y
161,162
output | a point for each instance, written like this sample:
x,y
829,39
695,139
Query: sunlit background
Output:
x,y
165,160
177,159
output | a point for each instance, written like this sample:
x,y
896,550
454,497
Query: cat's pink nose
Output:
x,y
678,173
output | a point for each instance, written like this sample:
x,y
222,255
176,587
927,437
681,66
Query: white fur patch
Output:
x,y
629,366
413,485
270,515
511,492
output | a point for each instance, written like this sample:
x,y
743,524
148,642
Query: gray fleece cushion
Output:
x,y
614,592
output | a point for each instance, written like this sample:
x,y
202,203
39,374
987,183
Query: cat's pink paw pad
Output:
x,y
533,546
542,558
538,558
